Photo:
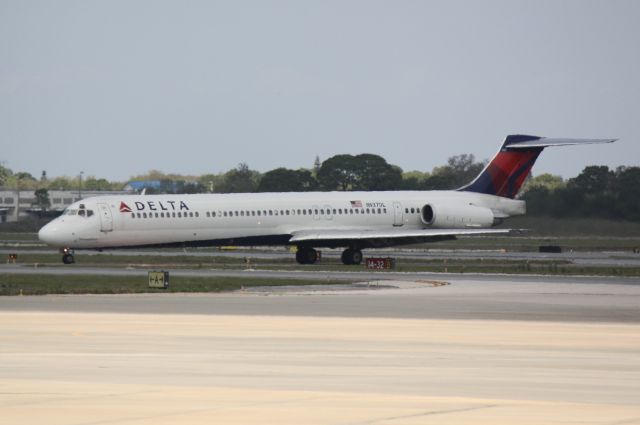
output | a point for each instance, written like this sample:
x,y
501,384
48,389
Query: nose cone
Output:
x,y
49,235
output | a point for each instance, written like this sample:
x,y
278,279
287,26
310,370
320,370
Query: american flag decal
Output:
x,y
356,204
124,207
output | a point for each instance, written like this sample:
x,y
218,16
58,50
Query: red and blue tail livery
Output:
x,y
508,170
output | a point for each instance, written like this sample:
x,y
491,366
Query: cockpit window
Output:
x,y
82,212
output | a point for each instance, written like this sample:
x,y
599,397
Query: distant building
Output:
x,y
139,185
19,204
158,186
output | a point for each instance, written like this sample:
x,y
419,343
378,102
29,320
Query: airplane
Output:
x,y
307,220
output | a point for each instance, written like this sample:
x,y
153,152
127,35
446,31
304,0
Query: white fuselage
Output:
x,y
260,218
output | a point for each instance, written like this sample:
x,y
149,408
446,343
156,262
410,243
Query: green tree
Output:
x,y
360,172
546,180
627,193
5,173
460,170
239,180
286,180
414,180
92,183
42,199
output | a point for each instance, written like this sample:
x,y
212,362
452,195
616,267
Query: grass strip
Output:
x,y
16,284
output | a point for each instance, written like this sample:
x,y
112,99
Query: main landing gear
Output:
x,y
308,255
351,256
67,256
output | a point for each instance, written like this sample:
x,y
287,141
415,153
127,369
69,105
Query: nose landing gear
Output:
x,y
67,256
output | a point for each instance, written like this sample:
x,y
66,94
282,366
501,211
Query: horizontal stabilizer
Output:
x,y
544,142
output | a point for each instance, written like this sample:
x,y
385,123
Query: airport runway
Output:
x,y
383,295
409,348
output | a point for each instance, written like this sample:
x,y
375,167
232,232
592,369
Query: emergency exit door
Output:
x,y
398,219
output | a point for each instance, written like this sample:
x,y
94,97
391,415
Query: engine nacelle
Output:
x,y
456,216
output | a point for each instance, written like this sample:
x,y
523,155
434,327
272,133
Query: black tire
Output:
x,y
306,255
351,257
68,259
356,257
346,257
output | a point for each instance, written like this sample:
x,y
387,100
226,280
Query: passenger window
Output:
x,y
316,212
208,214
156,215
406,210
379,212
287,211
133,215
180,215
242,213
368,211
270,212
144,215
259,213
334,211
322,212
304,212
384,210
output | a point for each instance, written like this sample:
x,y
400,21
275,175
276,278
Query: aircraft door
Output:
x,y
397,214
106,219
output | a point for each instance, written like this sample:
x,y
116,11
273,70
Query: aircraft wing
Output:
x,y
388,235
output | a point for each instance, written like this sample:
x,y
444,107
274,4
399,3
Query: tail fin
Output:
x,y
507,171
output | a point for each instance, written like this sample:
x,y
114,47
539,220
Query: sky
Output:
x,y
118,88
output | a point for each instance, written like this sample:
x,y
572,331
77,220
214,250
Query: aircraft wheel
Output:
x,y
356,257
346,257
351,256
68,259
306,255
